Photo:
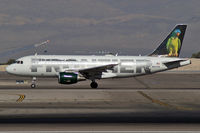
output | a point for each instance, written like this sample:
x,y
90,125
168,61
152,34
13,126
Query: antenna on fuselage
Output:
x,y
40,45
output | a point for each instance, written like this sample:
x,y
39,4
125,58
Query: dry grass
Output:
x,y
3,68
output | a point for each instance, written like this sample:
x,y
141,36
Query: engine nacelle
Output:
x,y
67,78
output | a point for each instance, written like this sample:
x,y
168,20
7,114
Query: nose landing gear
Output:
x,y
33,85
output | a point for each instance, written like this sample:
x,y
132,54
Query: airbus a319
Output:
x,y
70,69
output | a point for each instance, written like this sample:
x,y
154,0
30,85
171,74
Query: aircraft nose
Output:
x,y
8,69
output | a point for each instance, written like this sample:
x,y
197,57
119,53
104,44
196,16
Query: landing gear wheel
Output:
x,y
33,85
94,85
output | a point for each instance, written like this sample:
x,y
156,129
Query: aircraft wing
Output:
x,y
96,72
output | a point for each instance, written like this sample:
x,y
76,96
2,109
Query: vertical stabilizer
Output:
x,y
171,46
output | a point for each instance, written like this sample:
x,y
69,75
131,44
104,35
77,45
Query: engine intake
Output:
x,y
68,78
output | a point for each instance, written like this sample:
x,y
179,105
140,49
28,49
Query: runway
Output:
x,y
159,98
154,81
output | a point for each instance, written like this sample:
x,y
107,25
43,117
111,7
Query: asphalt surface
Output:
x,y
164,99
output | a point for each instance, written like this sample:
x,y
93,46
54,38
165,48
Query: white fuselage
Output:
x,y
127,66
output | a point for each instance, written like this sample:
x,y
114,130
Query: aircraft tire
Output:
x,y
94,85
33,85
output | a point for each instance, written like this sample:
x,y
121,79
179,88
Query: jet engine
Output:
x,y
69,78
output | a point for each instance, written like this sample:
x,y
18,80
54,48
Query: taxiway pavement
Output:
x,y
158,98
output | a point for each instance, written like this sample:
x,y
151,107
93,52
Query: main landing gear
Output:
x,y
33,85
94,84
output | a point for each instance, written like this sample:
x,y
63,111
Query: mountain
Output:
x,y
87,26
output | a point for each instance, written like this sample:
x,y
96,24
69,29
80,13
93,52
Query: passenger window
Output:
x,y
126,60
84,60
104,60
71,60
114,60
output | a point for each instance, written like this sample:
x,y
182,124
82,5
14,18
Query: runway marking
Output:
x,y
163,103
141,82
21,97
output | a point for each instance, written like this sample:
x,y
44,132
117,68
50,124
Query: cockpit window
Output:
x,y
19,62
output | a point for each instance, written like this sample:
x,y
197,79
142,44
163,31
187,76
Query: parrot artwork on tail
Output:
x,y
174,43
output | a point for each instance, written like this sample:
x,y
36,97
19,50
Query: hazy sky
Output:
x,y
127,27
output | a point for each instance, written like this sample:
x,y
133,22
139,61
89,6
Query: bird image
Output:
x,y
174,43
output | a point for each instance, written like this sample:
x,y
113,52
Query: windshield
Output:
x,y
19,62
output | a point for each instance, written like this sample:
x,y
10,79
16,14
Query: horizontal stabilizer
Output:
x,y
177,63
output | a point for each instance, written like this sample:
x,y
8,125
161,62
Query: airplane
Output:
x,y
70,69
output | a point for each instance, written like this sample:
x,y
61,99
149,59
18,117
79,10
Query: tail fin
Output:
x,y
171,46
